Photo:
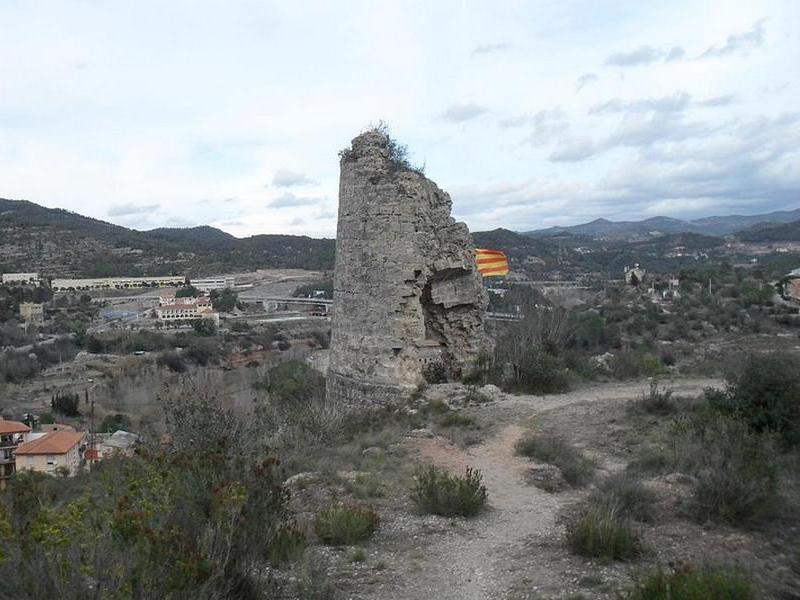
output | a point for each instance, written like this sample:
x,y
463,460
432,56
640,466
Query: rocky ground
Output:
x,y
516,549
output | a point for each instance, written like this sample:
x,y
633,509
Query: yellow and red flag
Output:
x,y
491,263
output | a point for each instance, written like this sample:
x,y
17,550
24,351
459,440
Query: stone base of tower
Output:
x,y
351,393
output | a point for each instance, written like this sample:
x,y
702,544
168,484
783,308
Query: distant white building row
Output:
x,y
121,283
20,278
117,283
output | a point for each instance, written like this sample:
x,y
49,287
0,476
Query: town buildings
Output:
x,y
47,452
12,433
31,312
634,275
28,278
792,286
119,443
117,283
172,309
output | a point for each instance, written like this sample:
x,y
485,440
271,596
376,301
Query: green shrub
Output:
x,y
116,422
657,401
294,381
436,491
576,468
652,460
191,519
343,525
288,544
653,366
172,361
765,393
734,466
542,373
602,531
691,584
626,492
456,419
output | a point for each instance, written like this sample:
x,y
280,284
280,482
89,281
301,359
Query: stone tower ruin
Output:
x,y
408,302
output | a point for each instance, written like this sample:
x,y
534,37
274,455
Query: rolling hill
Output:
x,y
768,232
63,243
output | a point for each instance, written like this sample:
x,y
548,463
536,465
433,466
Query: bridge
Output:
x,y
552,285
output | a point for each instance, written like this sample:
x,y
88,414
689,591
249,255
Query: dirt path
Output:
x,y
609,392
474,562
487,557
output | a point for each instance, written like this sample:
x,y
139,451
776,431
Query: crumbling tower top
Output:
x,y
408,300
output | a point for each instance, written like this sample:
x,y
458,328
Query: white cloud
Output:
x,y
113,107
461,112
739,43
288,178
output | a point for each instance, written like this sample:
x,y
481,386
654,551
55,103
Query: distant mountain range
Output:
x,y
62,243
636,229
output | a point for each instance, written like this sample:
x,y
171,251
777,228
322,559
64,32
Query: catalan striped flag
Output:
x,y
491,263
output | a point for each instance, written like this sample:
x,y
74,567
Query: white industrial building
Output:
x,y
117,283
20,278
213,283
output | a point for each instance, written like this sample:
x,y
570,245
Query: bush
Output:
x,y
172,361
457,419
343,525
652,460
690,584
734,466
288,544
542,373
437,492
601,531
293,382
657,401
192,519
202,351
765,393
576,468
204,327
628,493
115,422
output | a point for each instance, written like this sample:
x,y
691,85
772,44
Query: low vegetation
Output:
x,y
734,467
602,531
628,494
687,583
437,492
764,393
576,468
345,525
657,401
174,521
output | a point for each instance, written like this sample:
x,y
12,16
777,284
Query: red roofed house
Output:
x,y
47,453
11,434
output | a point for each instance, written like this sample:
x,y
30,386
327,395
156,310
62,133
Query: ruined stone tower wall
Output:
x,y
406,288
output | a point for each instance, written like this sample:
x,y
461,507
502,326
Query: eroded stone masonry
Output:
x,y
408,299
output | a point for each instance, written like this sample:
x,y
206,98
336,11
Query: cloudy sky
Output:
x,y
533,113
